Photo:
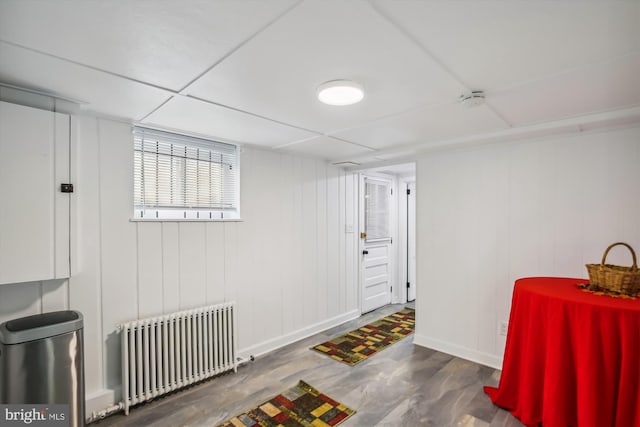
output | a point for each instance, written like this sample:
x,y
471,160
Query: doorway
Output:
x,y
387,255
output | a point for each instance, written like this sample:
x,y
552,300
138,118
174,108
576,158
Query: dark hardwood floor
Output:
x,y
404,385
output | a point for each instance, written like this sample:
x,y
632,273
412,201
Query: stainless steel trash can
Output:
x,y
41,362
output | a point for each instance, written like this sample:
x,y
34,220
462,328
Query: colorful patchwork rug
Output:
x,y
301,405
366,341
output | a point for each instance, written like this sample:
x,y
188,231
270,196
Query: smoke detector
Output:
x,y
472,99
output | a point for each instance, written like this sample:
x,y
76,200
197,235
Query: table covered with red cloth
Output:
x,y
572,358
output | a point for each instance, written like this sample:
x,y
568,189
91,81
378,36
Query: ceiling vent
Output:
x,y
472,99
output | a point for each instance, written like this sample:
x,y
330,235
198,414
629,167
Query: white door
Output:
x,y
411,241
376,244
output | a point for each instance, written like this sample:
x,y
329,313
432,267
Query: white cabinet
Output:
x,y
34,213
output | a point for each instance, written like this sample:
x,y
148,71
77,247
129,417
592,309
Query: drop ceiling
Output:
x,y
247,71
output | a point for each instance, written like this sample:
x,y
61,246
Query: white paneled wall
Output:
x,y
490,215
289,263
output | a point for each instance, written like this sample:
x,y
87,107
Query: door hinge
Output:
x,y
392,191
408,285
408,191
391,290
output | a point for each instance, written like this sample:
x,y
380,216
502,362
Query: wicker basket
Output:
x,y
614,278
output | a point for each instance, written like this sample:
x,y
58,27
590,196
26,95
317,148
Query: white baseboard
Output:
x,y
455,350
98,400
291,337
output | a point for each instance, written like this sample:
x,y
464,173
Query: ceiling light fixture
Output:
x,y
472,99
340,92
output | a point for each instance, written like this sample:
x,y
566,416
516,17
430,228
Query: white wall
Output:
x,y
289,263
490,215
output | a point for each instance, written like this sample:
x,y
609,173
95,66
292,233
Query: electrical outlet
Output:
x,y
503,327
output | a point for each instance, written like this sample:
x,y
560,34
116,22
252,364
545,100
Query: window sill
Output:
x,y
185,220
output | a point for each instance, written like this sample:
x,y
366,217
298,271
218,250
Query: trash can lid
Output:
x,y
40,326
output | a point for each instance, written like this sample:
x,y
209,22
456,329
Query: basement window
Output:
x,y
178,177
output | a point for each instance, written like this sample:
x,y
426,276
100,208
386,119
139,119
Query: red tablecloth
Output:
x,y
572,358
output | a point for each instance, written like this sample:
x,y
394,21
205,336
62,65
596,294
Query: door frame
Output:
x,y
403,237
393,228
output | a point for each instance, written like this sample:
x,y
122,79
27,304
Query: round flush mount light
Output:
x,y
340,92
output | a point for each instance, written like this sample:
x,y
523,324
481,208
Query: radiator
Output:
x,y
166,353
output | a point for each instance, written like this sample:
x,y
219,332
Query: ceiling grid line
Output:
x,y
146,116
564,72
90,67
302,141
238,47
406,33
433,57
239,110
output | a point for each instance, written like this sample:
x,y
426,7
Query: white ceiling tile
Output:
x,y
277,73
98,92
194,116
425,125
497,44
327,148
166,43
609,86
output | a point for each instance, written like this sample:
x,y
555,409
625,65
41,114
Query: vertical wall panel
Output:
x,y
333,248
352,298
322,234
232,279
569,195
248,278
18,300
299,292
118,238
291,227
215,262
342,239
192,264
266,236
525,210
171,267
309,246
488,245
288,246
150,282
55,295
85,282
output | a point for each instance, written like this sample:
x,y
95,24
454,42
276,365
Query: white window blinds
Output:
x,y
181,177
377,210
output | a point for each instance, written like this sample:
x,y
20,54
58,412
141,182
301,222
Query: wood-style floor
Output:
x,y
404,385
